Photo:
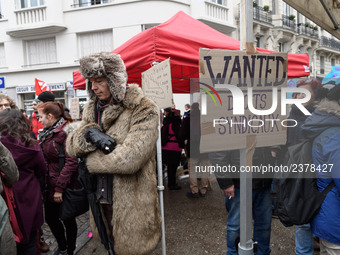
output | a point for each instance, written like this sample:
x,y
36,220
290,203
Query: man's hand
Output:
x,y
229,192
58,197
102,141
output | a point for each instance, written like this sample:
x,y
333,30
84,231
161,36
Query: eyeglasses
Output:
x,y
4,106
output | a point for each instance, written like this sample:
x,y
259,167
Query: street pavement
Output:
x,y
83,224
194,226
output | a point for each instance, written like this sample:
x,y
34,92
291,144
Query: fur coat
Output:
x,y
133,125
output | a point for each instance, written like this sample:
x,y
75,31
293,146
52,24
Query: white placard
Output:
x,y
156,84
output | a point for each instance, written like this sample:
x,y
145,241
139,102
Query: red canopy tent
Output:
x,y
180,39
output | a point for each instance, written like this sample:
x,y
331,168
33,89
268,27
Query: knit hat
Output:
x,y
334,94
109,65
36,100
46,96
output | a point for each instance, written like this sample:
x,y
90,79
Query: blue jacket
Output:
x,y
325,129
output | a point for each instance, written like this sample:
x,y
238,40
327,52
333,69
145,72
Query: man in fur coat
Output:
x,y
126,176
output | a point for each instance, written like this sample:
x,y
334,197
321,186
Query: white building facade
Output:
x,y
45,39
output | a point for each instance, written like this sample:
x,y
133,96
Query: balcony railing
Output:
x,y
31,15
216,11
260,14
330,43
309,31
288,23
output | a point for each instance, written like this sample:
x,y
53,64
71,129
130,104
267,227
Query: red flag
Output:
x,y
41,86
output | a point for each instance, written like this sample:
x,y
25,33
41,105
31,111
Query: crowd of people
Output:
x,y
116,141
322,126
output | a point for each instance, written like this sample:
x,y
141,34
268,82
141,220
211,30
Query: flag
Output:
x,y
41,86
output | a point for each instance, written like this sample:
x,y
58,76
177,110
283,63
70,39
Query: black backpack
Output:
x,y
295,195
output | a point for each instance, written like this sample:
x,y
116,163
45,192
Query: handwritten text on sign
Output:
x,y
225,127
156,84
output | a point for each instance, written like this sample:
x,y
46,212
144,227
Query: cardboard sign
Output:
x,y
238,98
74,111
156,84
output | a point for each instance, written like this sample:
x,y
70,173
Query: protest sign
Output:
x,y
240,96
74,111
156,84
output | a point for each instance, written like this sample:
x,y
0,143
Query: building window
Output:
x,y
333,61
29,3
258,41
281,47
83,3
2,55
274,6
286,9
28,98
90,43
42,51
221,2
147,26
322,64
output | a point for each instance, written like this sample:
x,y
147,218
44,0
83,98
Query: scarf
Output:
x,y
50,130
99,109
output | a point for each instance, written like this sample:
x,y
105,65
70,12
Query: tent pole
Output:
x,y
160,185
246,244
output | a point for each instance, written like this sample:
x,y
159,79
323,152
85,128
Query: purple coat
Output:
x,y
58,180
27,192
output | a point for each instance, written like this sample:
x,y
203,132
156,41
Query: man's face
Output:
x,y
4,104
100,88
34,106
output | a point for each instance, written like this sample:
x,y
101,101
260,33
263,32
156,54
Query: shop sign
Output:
x,y
25,89
57,86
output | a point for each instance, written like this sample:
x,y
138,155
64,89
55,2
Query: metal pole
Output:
x,y
160,186
245,247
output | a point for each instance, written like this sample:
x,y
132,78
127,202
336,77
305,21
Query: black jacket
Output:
x,y
262,156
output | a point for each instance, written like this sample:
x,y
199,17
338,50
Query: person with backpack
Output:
x,y
52,116
303,234
10,175
15,135
324,127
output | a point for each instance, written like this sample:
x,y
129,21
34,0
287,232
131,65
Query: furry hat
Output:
x,y
109,65
330,100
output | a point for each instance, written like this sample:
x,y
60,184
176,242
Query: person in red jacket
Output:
x,y
36,125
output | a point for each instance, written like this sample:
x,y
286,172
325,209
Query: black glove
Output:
x,y
102,141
